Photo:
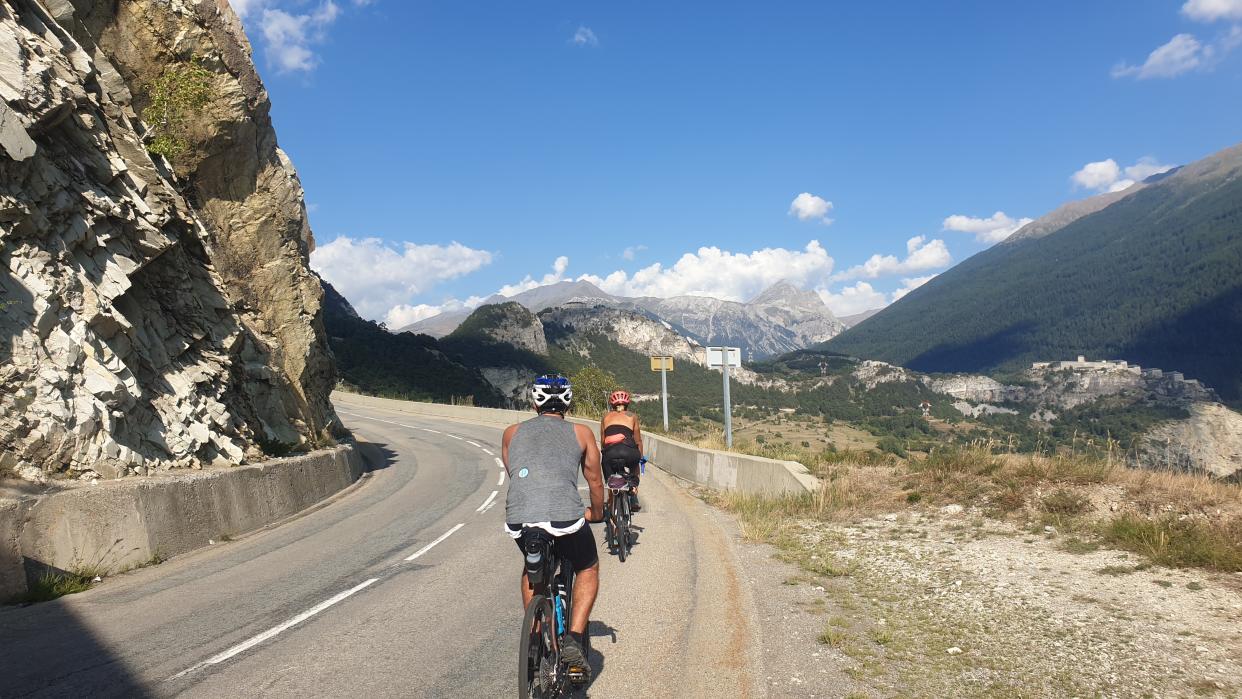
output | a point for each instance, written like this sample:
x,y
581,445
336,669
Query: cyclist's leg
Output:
x,y
578,549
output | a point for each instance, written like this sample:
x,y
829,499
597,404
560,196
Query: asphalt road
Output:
x,y
403,585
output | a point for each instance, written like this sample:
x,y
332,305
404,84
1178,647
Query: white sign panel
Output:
x,y
716,356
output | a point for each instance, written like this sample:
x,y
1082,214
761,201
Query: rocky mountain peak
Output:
x,y
508,322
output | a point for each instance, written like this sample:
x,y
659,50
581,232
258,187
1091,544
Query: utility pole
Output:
x,y
724,357
664,394
728,411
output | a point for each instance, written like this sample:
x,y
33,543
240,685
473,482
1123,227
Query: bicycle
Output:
x,y
617,516
542,672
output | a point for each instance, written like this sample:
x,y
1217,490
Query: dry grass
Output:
x,y
1175,519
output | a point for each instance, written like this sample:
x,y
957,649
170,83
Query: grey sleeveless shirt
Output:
x,y
544,459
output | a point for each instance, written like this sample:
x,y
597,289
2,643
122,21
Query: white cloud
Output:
x,y
711,271
853,299
807,207
993,229
1108,176
1212,10
583,36
289,30
921,254
378,277
910,284
557,274
405,314
1182,54
289,36
631,252
1099,175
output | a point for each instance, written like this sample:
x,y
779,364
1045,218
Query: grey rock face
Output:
x,y
1210,441
138,331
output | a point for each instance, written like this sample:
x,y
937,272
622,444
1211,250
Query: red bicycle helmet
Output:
x,y
619,398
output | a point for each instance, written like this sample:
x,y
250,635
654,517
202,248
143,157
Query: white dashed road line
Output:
x,y
275,630
502,479
432,545
487,503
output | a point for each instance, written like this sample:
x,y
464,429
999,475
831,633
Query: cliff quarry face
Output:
x,y
152,314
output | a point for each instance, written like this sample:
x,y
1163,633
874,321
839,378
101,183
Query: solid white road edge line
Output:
x,y
432,545
488,501
275,630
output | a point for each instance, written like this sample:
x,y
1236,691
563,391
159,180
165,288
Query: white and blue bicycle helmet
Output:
x,y
551,393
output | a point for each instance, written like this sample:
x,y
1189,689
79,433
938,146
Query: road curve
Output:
x,y
404,585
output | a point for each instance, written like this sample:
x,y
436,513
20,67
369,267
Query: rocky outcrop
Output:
x,y
509,323
153,315
633,331
1209,441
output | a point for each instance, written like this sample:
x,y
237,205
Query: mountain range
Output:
x,y
782,318
1151,275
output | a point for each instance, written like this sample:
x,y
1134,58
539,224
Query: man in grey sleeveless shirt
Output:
x,y
543,456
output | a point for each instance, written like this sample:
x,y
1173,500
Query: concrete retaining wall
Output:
x,y
709,467
117,525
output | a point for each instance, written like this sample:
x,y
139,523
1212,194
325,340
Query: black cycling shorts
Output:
x,y
577,548
621,459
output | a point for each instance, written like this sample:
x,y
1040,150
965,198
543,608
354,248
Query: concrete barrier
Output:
x,y
122,524
716,469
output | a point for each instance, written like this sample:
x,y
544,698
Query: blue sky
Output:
x,y
450,150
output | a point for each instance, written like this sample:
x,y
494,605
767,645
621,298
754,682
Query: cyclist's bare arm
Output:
x,y
504,445
638,435
591,470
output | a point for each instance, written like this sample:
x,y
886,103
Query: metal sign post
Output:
x,y
725,357
663,365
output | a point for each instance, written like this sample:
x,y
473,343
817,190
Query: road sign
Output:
x,y
716,356
663,365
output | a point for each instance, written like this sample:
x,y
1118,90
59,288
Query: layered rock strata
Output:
x,y
152,314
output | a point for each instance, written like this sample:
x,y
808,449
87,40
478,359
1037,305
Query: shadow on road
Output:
x,y
47,650
376,455
599,629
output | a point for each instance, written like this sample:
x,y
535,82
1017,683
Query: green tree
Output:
x,y
591,388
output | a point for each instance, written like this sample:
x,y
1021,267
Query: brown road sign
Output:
x,y
661,363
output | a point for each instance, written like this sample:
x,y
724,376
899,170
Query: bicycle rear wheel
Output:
x,y
620,503
610,531
539,654
623,534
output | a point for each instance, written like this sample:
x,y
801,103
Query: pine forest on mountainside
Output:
x,y
1155,279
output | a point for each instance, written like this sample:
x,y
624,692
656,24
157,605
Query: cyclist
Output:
x,y
543,456
622,443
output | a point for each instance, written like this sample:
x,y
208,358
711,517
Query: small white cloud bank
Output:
x,y
921,254
1108,176
631,252
992,229
290,30
808,207
1182,54
1212,10
559,265
722,274
378,277
583,37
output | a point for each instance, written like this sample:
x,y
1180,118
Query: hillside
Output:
x,y
1154,278
374,361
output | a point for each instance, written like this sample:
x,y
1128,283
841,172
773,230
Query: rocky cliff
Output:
x,y
155,313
